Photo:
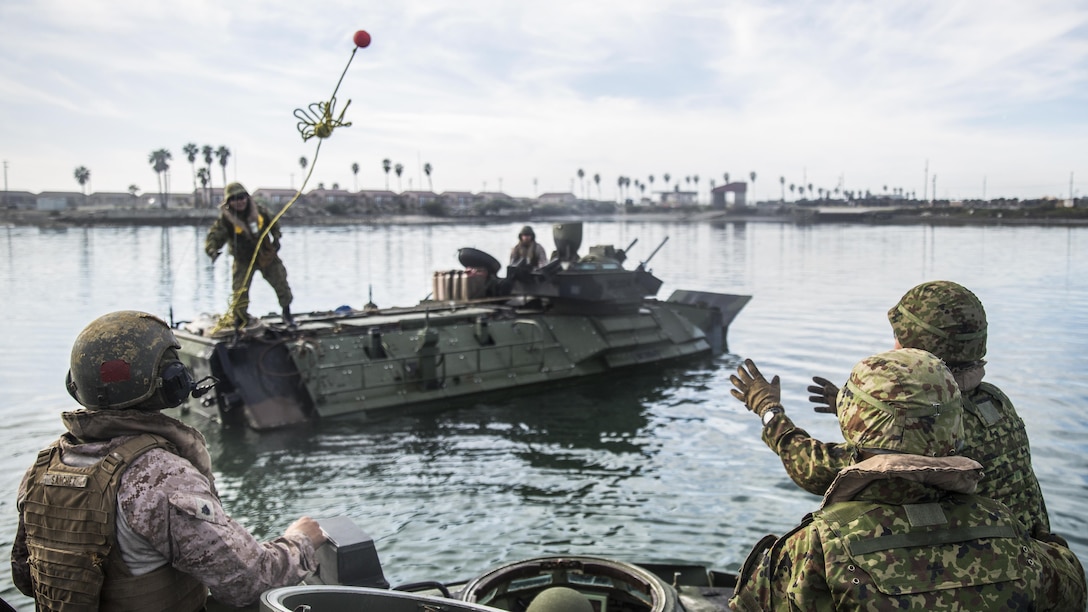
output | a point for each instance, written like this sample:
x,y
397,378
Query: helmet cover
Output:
x,y
943,318
903,401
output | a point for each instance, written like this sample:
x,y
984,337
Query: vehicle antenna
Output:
x,y
643,264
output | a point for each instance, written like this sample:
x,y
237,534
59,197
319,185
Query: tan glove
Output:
x,y
825,395
754,390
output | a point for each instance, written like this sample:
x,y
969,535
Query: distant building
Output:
x,y
57,200
113,199
458,202
673,199
21,200
381,198
557,198
417,199
276,198
719,196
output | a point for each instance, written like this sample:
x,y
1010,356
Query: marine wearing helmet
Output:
x,y
127,359
120,512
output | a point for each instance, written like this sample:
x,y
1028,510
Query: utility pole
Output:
x,y
984,187
925,184
6,183
934,187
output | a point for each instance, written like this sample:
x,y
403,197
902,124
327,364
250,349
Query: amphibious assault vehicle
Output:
x,y
478,332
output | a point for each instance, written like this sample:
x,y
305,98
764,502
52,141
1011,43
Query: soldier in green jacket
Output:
x,y
947,320
240,225
900,528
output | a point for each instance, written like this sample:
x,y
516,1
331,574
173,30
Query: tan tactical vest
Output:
x,y
70,517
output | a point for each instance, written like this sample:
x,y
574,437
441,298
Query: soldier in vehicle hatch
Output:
x,y
528,251
900,527
949,321
240,224
121,513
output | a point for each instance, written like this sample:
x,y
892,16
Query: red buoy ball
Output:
x,y
362,39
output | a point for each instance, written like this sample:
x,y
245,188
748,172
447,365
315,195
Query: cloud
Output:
x,y
859,92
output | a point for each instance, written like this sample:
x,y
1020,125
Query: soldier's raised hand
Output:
x,y
825,395
754,390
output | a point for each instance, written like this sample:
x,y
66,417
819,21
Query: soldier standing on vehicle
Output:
x,y
121,513
947,320
900,528
240,225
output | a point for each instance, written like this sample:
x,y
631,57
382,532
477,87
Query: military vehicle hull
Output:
x,y
482,334
606,583
374,364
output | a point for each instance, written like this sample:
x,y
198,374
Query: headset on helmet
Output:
x,y
128,359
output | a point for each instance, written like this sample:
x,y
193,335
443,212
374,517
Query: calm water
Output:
x,y
662,467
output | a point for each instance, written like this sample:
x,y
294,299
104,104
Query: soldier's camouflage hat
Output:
x,y
944,318
903,401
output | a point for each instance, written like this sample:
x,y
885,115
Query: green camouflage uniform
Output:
x,y
242,242
851,553
902,529
995,435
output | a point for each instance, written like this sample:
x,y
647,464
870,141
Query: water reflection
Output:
x,y
665,466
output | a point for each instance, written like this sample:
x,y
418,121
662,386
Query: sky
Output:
x,y
962,98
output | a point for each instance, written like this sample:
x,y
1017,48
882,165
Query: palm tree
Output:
x,y
782,182
302,163
208,152
725,175
651,177
191,151
205,176
386,165
159,161
581,179
597,180
399,168
83,176
223,153
427,168
355,171
666,177
619,184
133,189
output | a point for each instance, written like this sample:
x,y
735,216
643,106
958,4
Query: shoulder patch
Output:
x,y
202,507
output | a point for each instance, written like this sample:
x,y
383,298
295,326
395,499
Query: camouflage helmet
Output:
x,y
943,318
903,401
233,189
123,359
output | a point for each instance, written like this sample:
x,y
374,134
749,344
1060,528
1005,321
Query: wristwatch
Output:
x,y
770,413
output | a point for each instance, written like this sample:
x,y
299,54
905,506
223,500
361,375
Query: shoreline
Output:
x,y
191,217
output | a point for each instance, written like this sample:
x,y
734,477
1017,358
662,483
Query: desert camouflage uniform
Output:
x,y
902,532
169,513
242,242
